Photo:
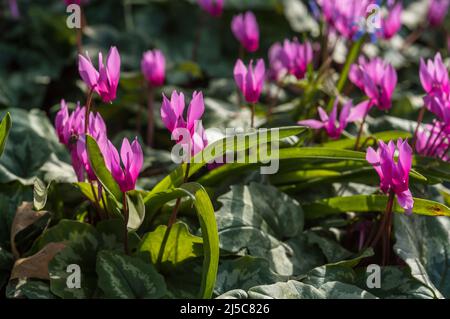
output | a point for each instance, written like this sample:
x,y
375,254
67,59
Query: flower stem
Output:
x,y
387,236
252,120
419,122
385,220
150,119
126,217
430,150
430,136
241,55
80,31
88,109
172,219
358,138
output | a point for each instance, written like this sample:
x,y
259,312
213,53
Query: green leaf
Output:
x,y
396,283
111,232
154,201
82,242
299,290
40,192
285,154
181,245
349,143
330,248
6,264
64,231
136,210
208,225
332,281
11,196
432,167
255,220
33,150
244,272
370,203
5,126
424,244
101,171
29,288
218,149
126,277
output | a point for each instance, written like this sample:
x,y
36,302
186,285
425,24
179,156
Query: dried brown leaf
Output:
x,y
36,266
25,216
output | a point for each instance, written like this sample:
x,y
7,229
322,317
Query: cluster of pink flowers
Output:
x,y
394,174
377,79
189,133
348,18
104,81
331,124
70,127
433,140
291,57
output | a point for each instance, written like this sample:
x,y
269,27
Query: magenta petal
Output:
x,y
260,71
359,111
195,110
404,157
113,65
125,154
315,124
406,201
138,159
87,72
322,114
240,72
168,115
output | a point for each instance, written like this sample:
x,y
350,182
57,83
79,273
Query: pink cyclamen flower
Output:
x,y
392,23
345,16
334,126
435,81
434,75
432,140
125,168
276,70
437,11
153,66
189,133
394,174
70,131
106,79
213,7
69,125
295,57
245,29
377,79
250,80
